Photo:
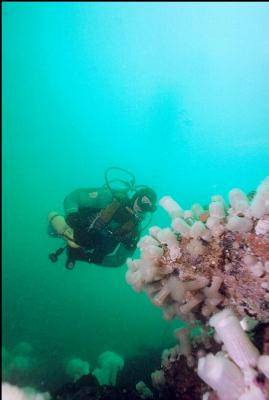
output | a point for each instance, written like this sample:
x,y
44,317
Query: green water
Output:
x,y
177,93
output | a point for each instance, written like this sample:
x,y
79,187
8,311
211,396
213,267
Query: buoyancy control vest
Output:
x,y
116,223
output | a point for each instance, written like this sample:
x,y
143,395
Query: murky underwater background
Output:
x,y
177,93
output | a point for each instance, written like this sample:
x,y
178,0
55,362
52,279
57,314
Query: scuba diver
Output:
x,y
102,225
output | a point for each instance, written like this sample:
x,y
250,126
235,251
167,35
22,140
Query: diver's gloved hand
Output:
x,y
73,220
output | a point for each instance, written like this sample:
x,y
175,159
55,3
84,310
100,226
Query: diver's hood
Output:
x,y
146,199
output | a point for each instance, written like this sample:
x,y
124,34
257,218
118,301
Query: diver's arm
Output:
x,y
118,257
72,201
84,198
60,226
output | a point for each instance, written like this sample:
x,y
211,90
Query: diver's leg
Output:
x,y
79,254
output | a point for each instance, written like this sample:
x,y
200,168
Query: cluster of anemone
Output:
x,y
212,264
106,373
208,259
238,371
18,363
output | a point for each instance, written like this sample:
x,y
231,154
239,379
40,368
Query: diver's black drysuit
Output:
x,y
105,227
